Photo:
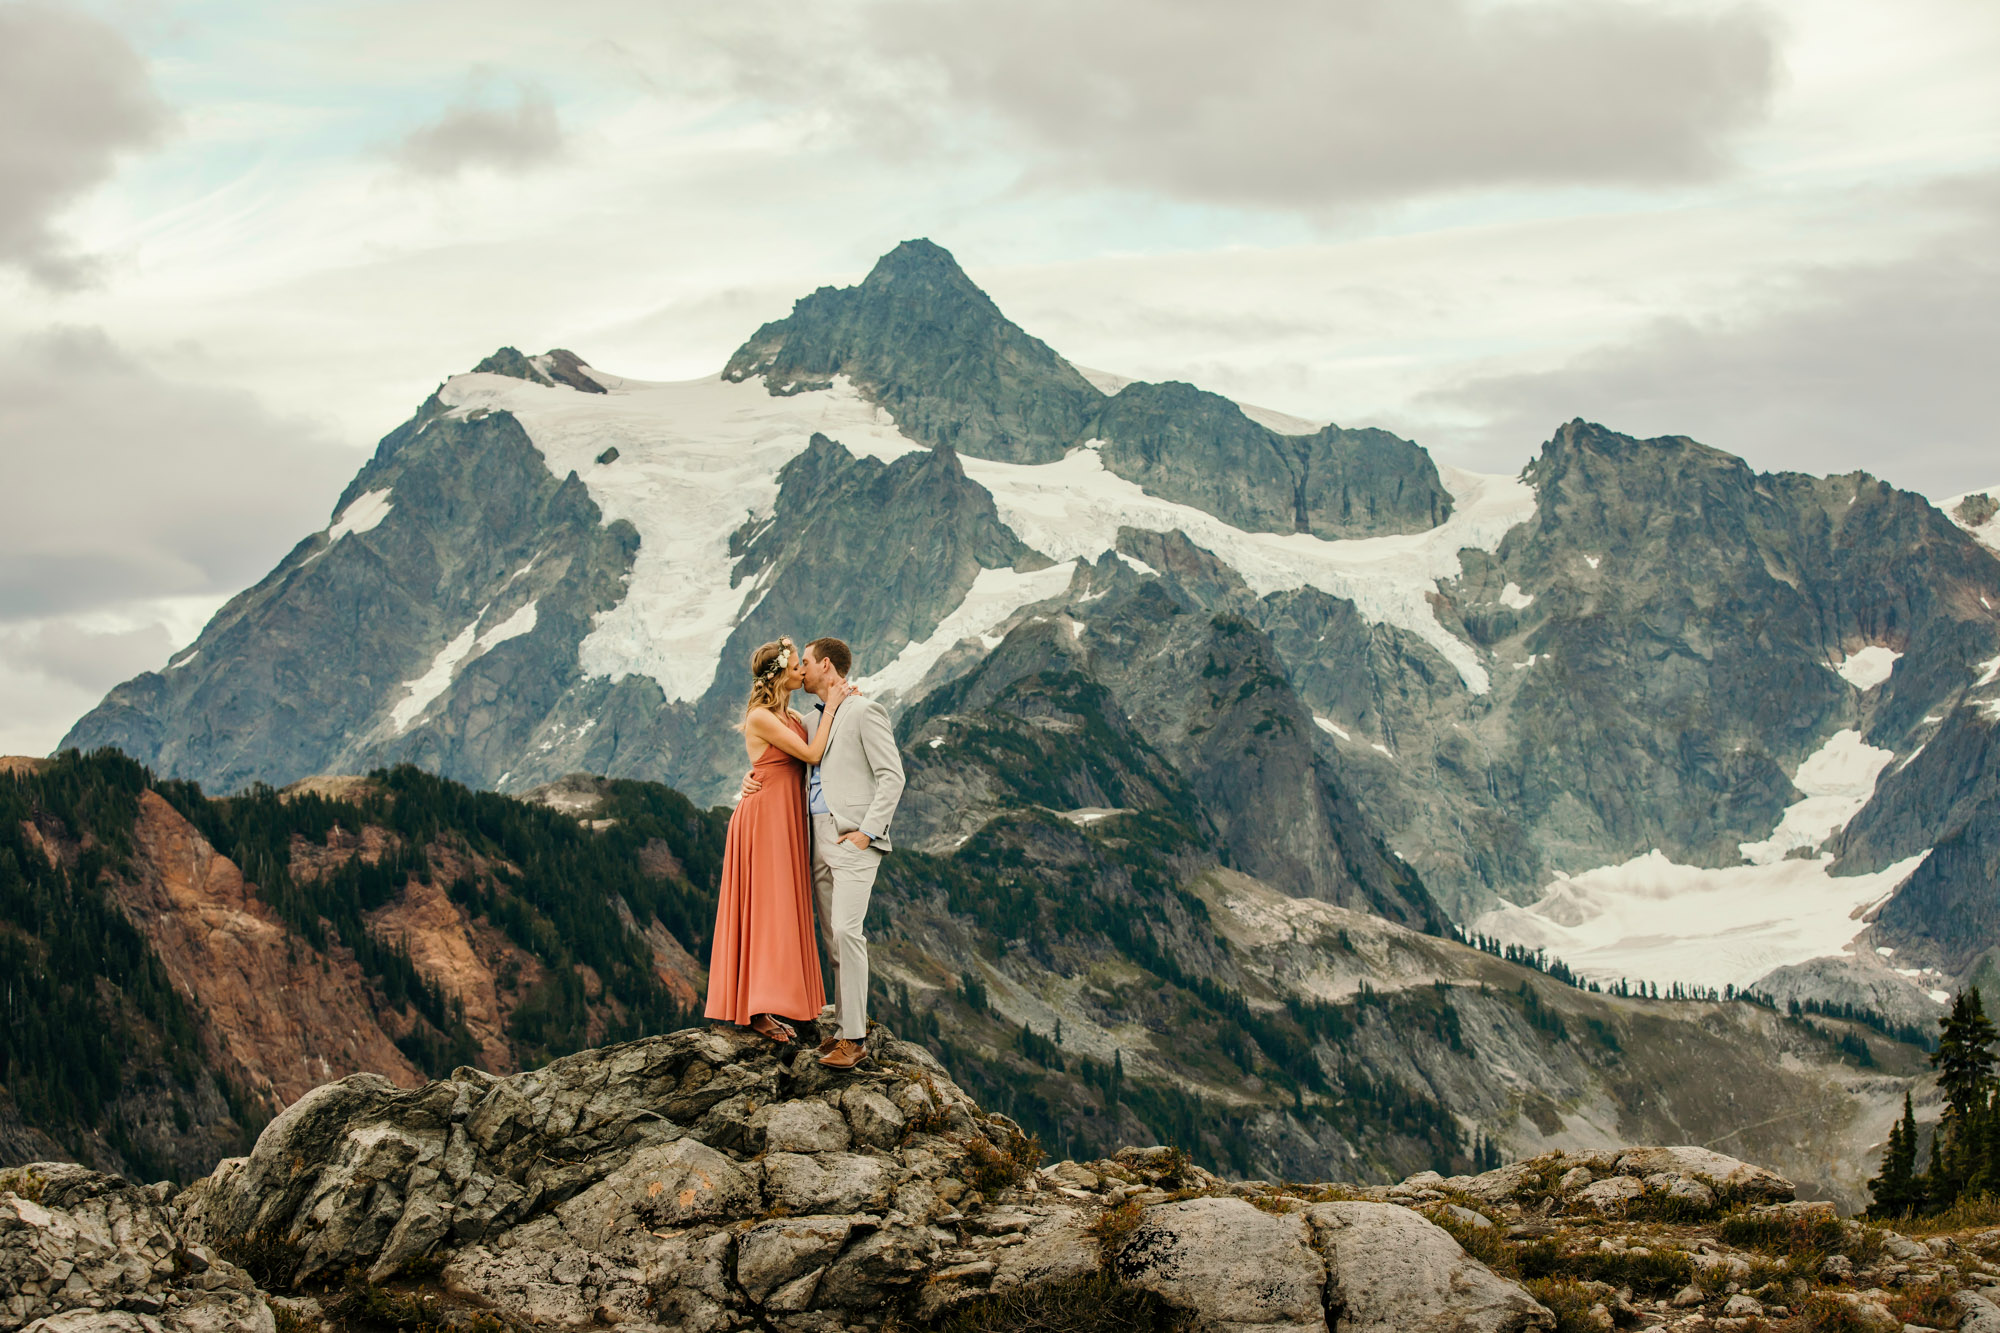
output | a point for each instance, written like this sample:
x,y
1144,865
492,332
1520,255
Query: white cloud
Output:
x,y
1881,366
73,97
123,484
1298,104
53,669
475,132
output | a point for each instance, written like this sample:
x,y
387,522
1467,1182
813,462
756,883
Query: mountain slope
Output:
x,y
1641,705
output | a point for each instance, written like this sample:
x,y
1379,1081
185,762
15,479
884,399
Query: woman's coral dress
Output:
x,y
764,959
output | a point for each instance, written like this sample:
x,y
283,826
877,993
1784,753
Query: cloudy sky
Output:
x,y
240,241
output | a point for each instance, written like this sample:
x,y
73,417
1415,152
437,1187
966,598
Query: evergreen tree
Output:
x,y
1895,1189
1965,1076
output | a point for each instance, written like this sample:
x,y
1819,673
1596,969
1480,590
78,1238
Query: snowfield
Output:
x,y
1868,667
697,458
994,598
1986,534
1653,919
1837,779
364,514
1072,509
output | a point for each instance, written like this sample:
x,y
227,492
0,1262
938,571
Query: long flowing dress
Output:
x,y
765,959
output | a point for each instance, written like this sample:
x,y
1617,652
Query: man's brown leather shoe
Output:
x,y
826,1047
845,1054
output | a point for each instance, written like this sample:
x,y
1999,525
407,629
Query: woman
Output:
x,y
764,965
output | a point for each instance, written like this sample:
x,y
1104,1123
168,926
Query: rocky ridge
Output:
x,y
705,1177
705,1180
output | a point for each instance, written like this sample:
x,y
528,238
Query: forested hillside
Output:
x,y
180,967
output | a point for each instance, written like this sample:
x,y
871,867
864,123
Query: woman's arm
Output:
x,y
765,726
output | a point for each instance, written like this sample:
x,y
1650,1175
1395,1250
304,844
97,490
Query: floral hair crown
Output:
x,y
776,664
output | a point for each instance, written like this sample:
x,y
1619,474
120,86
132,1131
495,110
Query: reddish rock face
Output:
x,y
463,958
280,1018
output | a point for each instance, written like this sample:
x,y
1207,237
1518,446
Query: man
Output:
x,y
852,797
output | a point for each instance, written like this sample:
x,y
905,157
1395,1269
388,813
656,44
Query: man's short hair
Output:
x,y
832,651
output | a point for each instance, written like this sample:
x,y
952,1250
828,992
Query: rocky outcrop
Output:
x,y
1182,443
696,1180
82,1252
706,1180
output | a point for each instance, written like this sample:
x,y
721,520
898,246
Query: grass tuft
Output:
x,y
1803,1238
1098,1303
1656,1273
270,1257
1978,1212
24,1183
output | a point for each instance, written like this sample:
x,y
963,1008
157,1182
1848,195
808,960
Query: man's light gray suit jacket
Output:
x,y
861,774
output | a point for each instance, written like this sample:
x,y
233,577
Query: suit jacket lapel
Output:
x,y
824,721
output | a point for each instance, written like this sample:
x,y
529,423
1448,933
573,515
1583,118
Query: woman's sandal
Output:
x,y
776,1031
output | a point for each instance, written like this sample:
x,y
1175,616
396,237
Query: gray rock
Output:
x,y
1610,1195
877,1267
826,1183
1978,1313
1726,1174
1390,1271
804,1126
872,1118
1903,1248
660,1187
95,1243
776,1254
1235,1266
1057,1246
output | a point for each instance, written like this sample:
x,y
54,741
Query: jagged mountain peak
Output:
x,y
924,260
556,366
920,338
1579,443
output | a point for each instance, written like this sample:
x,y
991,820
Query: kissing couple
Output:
x,y
805,841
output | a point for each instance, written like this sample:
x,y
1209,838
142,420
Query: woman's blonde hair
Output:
x,y
768,666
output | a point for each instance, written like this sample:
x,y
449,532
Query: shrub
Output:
x,y
24,1183
1099,1303
1928,1305
1656,1273
1114,1226
1486,1244
988,1168
1824,1312
1568,1301
1790,1235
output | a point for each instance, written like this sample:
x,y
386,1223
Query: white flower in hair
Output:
x,y
778,663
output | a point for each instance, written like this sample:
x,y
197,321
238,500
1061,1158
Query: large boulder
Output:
x,y
1392,1271
1236,1266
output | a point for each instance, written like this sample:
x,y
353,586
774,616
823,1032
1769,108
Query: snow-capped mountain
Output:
x,y
1666,716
